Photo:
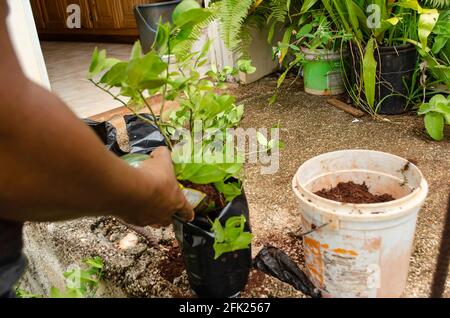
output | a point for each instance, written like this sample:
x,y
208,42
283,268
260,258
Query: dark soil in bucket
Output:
x,y
350,192
173,266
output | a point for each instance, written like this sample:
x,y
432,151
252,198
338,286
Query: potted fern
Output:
x,y
216,245
243,33
386,36
313,43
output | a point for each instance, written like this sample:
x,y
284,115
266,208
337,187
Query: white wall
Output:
x,y
25,39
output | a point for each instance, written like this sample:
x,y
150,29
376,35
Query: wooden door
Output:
x,y
106,14
129,21
37,14
54,17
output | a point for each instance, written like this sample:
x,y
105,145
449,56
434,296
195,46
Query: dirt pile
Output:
x,y
350,192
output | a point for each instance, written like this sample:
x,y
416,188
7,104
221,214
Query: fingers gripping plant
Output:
x,y
170,70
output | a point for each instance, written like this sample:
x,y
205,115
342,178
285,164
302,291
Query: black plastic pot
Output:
x,y
395,71
209,278
225,277
147,19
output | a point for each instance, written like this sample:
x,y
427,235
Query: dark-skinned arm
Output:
x,y
53,167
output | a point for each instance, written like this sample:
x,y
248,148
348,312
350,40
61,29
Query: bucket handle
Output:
x,y
301,235
314,230
331,220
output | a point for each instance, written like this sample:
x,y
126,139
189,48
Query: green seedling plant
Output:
x,y
171,70
311,30
80,283
401,22
437,115
232,237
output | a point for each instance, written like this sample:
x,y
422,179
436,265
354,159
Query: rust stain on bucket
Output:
x,y
344,252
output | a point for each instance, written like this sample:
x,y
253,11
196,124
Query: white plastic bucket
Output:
x,y
364,250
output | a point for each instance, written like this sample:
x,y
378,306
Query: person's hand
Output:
x,y
165,197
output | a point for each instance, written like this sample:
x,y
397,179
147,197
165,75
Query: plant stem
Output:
x,y
159,123
148,105
151,122
165,84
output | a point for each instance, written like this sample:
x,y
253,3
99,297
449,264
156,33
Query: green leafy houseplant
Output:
x,y
309,31
401,22
438,57
437,114
80,282
202,108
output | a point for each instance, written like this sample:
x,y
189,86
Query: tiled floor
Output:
x,y
67,64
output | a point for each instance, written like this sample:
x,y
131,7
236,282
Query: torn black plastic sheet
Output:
x,y
108,135
276,263
143,137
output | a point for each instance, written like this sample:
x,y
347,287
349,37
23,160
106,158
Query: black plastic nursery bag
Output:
x,y
143,137
225,277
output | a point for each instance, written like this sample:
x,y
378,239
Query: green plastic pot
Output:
x,y
322,72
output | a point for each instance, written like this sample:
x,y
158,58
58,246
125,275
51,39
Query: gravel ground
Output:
x,y
309,127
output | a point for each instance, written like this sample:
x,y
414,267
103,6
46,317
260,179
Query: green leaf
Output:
x,y
434,124
162,37
100,62
218,231
427,21
152,83
188,14
438,103
424,108
306,29
307,4
55,293
369,72
447,119
182,8
272,100
276,144
201,173
144,69
352,16
136,52
271,32
262,140
246,66
284,44
230,190
116,75
439,43
20,293
298,59
231,238
96,262
393,20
